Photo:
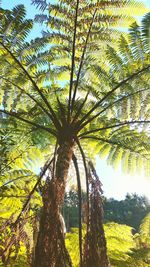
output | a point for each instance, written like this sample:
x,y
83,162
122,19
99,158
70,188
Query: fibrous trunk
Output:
x,y
95,249
50,249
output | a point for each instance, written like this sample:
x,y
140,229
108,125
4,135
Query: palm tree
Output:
x,y
93,106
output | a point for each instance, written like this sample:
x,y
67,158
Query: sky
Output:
x,y
115,183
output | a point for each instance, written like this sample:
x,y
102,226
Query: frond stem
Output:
x,y
30,96
112,126
87,180
80,108
62,112
33,190
47,165
73,59
13,180
114,143
12,161
81,61
110,105
80,206
28,122
79,126
55,120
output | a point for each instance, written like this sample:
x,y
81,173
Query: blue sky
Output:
x,y
115,183
31,12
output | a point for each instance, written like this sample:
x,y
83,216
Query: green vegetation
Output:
x,y
129,211
124,248
64,98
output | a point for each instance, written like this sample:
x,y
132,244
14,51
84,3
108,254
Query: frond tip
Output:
x,y
41,4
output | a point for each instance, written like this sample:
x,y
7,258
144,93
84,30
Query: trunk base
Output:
x,y
50,249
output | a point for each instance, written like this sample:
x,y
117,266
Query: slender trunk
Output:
x,y
95,248
50,249
95,253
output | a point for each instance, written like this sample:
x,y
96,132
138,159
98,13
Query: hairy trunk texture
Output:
x,y
95,248
50,249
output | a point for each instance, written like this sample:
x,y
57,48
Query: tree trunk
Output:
x,y
95,247
50,249
95,250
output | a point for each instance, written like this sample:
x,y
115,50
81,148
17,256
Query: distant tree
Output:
x,y
70,209
129,211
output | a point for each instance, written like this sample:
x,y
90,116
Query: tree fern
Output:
x,y
50,117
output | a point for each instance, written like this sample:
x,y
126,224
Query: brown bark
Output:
x,y
95,248
50,249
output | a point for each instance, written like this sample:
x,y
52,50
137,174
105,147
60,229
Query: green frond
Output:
x,y
125,146
136,42
125,50
145,31
48,62
145,229
104,150
40,4
14,28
